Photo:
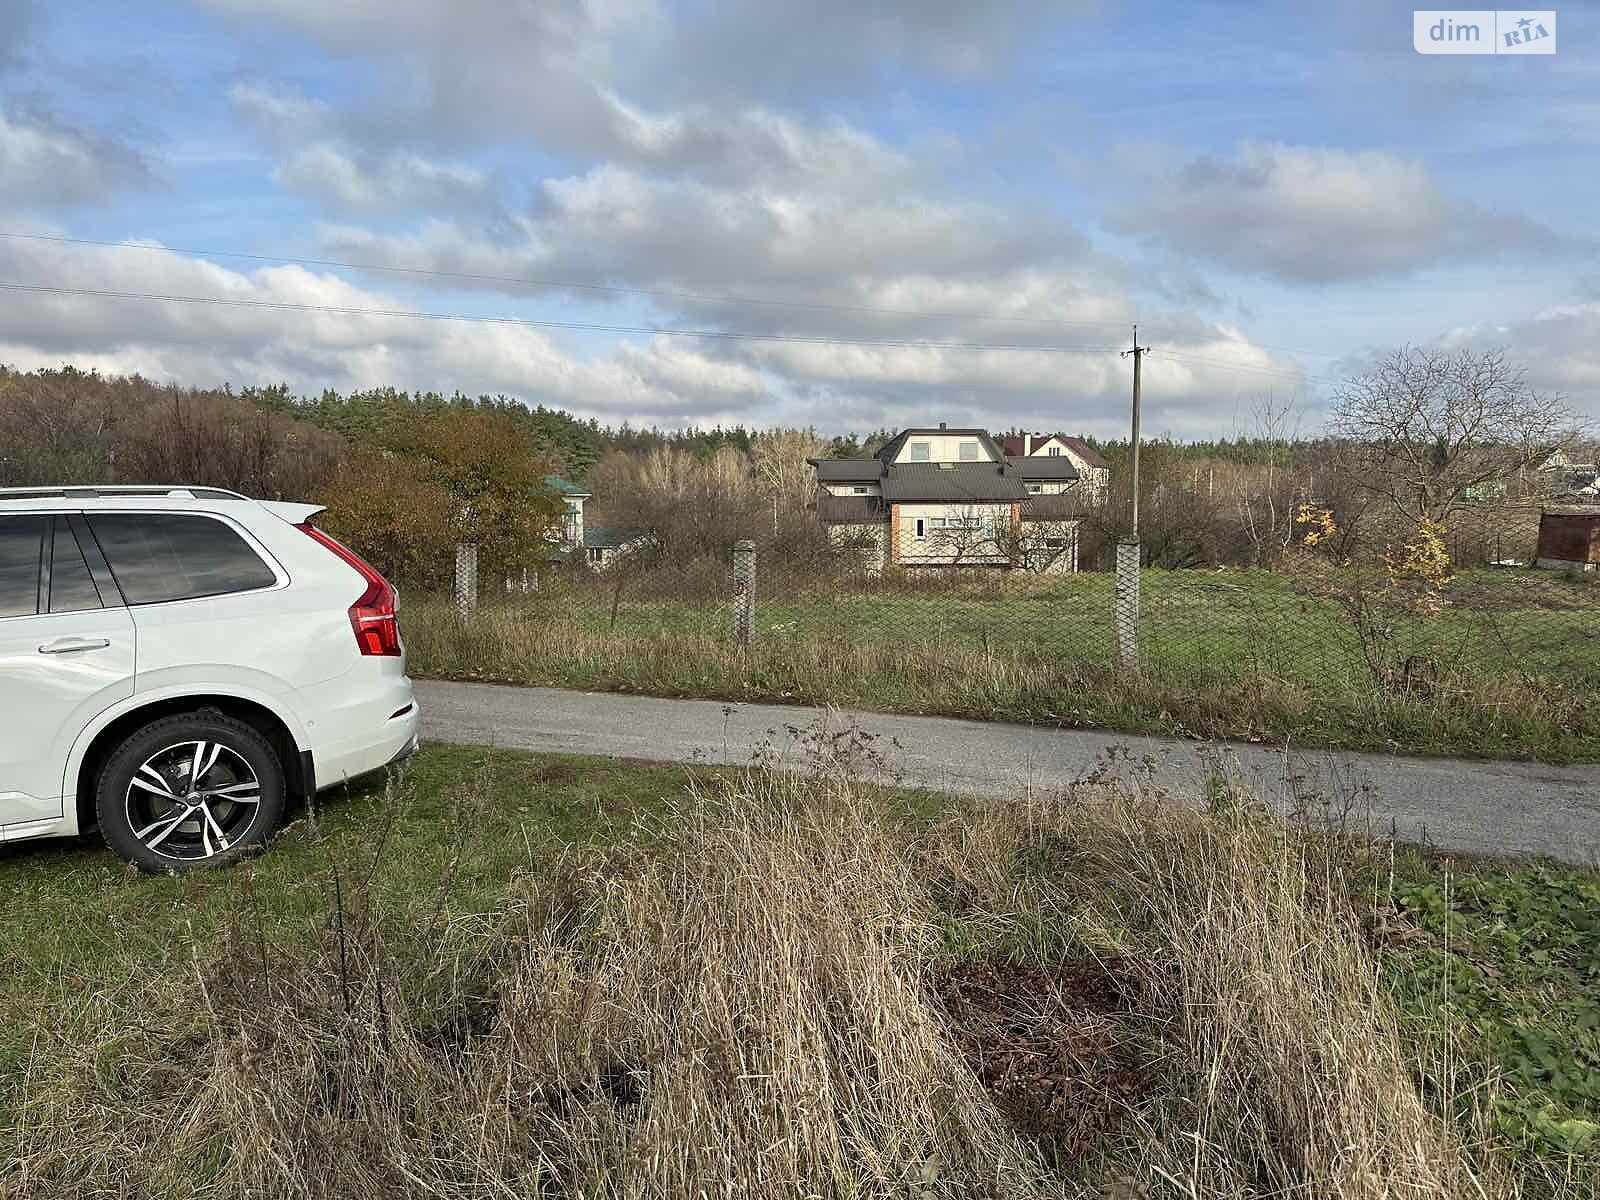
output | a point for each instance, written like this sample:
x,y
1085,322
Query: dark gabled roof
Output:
x,y
890,450
1051,508
1013,446
1086,452
1041,466
602,537
846,470
850,510
999,481
983,483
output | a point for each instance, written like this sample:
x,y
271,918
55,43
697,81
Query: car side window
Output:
x,y
72,588
158,557
21,544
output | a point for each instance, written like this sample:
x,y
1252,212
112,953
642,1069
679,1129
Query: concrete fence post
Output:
x,y
466,579
744,593
1126,607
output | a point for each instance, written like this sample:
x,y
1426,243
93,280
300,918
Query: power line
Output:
x,y
660,293
478,277
581,326
639,330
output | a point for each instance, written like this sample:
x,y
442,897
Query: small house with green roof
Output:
x,y
600,546
572,520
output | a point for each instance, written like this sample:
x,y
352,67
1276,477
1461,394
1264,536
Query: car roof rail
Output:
x,y
96,491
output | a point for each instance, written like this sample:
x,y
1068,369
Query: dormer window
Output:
x,y
919,452
969,451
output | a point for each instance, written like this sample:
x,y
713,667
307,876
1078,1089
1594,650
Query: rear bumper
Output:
x,y
363,731
346,760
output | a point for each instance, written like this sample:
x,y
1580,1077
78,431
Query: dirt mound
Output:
x,y
1047,1046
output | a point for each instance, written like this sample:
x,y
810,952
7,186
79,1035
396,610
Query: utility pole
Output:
x,y
1138,353
1125,606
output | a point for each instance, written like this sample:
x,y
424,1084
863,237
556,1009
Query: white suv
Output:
x,y
176,662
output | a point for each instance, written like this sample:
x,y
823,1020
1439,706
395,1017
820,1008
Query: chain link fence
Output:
x,y
1405,637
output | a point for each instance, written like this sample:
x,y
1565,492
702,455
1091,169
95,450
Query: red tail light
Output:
x,y
372,616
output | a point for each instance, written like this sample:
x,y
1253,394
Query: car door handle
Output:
x,y
67,645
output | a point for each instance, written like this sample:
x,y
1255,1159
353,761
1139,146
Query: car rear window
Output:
x,y
175,556
21,539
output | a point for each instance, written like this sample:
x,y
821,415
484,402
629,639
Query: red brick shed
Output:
x,y
1569,538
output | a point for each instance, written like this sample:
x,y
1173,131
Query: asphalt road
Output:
x,y
1461,805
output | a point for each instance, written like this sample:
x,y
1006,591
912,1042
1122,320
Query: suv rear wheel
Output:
x,y
188,790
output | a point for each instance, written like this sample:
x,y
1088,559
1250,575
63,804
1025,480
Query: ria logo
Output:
x,y
1483,31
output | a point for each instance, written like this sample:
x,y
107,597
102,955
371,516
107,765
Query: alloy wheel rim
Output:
x,y
192,800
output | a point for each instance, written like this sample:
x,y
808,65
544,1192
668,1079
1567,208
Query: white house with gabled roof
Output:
x,y
942,497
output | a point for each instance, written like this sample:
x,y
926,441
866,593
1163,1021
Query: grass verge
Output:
x,y
1240,696
515,975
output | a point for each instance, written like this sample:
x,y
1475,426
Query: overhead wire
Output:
x,y
621,329
576,285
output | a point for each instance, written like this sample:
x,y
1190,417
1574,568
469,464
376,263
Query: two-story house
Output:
x,y
951,498
599,546
1094,476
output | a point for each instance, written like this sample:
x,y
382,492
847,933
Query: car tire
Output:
x,y
191,790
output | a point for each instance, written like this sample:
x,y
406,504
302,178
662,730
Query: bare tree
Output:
x,y
1429,431
1265,498
778,458
973,532
1041,547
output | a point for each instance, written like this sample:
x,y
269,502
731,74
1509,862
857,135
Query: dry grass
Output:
x,y
1284,1072
1501,716
749,1009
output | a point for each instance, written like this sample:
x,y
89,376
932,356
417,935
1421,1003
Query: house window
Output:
x,y
1034,489
859,491
922,529
1055,451
969,451
919,451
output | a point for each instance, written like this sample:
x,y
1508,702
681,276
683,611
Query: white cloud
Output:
x,y
45,161
548,63
317,159
658,381
390,183
255,344
1314,214
812,239
1559,346
282,116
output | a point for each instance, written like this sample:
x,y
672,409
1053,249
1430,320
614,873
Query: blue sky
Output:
x,y
1275,193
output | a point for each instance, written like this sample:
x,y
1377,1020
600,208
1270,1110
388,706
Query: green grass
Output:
x,y
1502,963
76,921
1194,622
1508,669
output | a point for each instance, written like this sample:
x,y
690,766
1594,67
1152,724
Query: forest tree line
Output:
x,y
407,475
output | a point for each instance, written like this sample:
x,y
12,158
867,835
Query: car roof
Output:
x,y
114,496
178,491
